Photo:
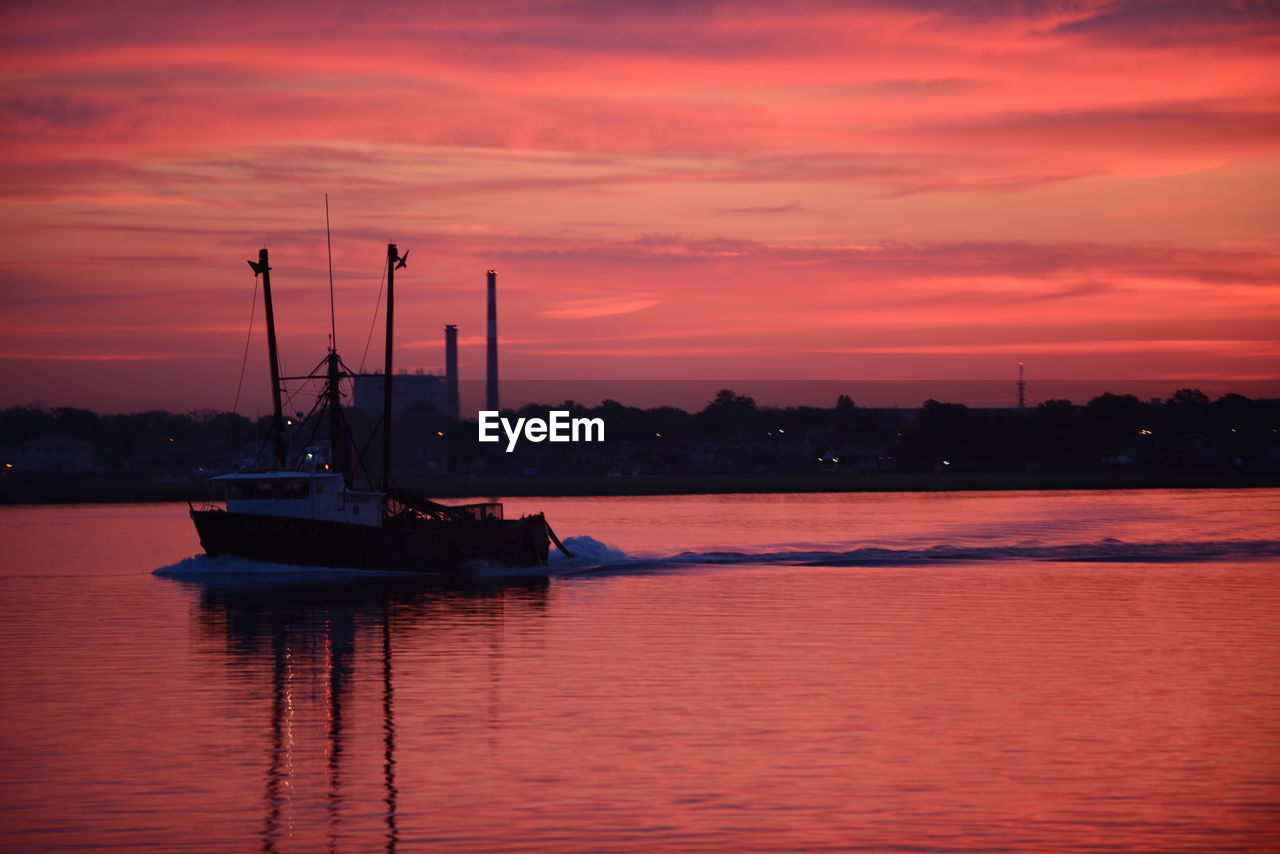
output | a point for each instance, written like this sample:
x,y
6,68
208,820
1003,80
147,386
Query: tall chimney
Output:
x,y
451,369
491,390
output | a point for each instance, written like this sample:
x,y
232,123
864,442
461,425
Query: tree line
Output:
x,y
731,433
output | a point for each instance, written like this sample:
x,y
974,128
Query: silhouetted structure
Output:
x,y
54,454
451,370
409,390
491,373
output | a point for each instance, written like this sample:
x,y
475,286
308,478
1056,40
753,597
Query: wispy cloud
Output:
x,y
1268,349
107,357
766,209
582,309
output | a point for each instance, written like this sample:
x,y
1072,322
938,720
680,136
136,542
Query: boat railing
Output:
x,y
406,505
488,511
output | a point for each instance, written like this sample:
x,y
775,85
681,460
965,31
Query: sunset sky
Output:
x,y
906,190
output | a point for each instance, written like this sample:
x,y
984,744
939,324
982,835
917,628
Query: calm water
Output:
x,y
1021,672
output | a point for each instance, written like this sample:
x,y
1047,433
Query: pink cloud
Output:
x,y
582,309
736,187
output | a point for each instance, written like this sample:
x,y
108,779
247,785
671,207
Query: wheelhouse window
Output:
x,y
267,489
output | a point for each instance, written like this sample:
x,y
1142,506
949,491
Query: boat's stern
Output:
x,y
538,537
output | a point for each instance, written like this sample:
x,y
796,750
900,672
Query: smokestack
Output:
x,y
451,369
491,390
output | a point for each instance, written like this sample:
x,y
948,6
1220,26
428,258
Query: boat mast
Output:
x,y
341,458
394,262
277,412
338,454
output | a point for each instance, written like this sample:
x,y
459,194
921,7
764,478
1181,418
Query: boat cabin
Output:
x,y
301,495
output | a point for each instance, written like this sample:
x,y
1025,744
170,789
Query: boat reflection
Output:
x,y
326,648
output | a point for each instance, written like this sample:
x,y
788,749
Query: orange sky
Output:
x,y
880,190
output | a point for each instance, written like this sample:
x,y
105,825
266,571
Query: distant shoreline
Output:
x,y
110,492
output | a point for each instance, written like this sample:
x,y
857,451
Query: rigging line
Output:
x,y
364,455
253,307
288,402
304,385
304,382
312,420
368,443
284,370
374,322
328,243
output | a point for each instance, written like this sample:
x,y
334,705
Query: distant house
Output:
x,y
705,452
54,454
867,450
1190,449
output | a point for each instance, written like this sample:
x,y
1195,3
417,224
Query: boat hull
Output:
x,y
310,542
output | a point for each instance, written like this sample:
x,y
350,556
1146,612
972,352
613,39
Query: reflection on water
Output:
x,y
315,634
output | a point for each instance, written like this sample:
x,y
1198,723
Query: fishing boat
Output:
x,y
305,508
